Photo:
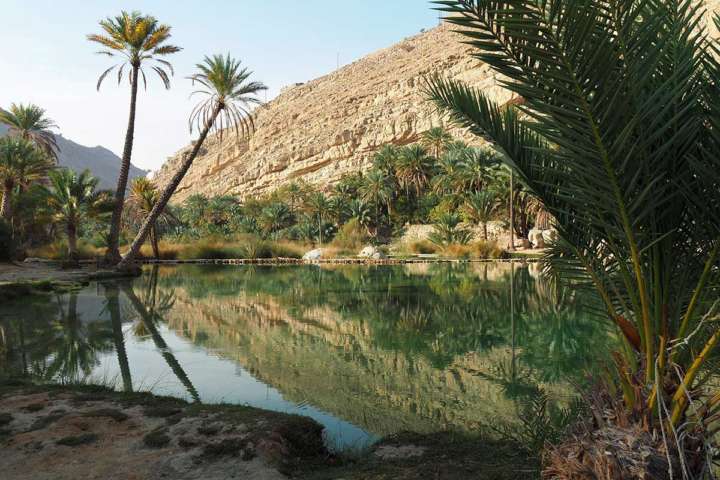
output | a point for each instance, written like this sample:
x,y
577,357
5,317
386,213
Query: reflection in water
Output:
x,y
365,350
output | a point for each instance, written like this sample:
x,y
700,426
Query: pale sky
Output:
x,y
45,58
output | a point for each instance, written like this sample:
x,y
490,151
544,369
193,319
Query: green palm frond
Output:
x,y
617,136
136,39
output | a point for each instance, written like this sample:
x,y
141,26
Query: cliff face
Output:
x,y
332,125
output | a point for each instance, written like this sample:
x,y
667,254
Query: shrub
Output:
x,y
423,247
448,231
477,250
209,249
352,236
7,244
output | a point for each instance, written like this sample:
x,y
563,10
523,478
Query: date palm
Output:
x,y
230,96
73,198
480,208
30,122
21,163
319,207
618,137
376,190
414,169
436,140
143,197
137,40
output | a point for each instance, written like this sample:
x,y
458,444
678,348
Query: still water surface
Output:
x,y
366,351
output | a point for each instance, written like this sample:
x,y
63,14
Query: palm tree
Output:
x,y
449,178
377,190
230,97
479,168
386,159
620,144
137,40
436,139
29,122
274,217
480,207
73,199
414,169
21,163
319,206
143,197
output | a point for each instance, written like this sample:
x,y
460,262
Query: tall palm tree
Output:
x,y
29,122
230,97
73,198
319,207
436,140
376,190
480,207
479,168
620,143
21,163
414,169
386,159
137,40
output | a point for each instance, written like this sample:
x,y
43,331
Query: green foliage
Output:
x,y
618,136
351,236
448,231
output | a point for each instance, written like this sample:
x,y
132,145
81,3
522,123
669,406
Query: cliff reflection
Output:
x,y
421,348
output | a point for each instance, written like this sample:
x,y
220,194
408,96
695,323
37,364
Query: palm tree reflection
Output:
x,y
150,310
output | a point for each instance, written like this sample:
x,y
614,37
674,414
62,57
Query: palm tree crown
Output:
x,y
29,122
136,39
21,163
230,95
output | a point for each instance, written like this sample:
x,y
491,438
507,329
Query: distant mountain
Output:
x,y
103,163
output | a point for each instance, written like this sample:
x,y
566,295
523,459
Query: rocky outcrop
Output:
x,y
330,126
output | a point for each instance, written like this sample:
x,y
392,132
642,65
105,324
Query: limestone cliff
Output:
x,y
332,125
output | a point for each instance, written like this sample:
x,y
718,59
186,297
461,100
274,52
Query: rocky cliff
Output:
x,y
332,125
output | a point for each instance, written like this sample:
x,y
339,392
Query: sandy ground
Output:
x,y
66,435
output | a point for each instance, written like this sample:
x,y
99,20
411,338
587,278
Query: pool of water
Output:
x,y
366,351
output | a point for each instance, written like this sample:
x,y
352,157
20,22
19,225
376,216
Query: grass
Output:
x,y
57,250
480,249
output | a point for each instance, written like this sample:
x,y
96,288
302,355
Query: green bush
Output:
x,y
352,236
7,244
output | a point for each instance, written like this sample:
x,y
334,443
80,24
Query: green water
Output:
x,y
367,351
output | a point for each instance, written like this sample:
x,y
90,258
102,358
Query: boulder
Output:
x,y
313,254
368,252
536,238
379,255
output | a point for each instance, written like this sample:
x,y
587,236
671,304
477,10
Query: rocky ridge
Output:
x,y
330,126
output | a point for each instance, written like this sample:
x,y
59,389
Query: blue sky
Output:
x,y
45,59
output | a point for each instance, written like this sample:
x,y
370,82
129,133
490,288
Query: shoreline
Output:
x,y
64,432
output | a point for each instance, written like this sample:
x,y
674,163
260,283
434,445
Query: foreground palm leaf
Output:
x,y
618,136
230,97
137,40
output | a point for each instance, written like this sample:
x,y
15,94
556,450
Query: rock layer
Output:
x,y
320,130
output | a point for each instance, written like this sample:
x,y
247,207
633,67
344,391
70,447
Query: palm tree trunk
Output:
x,y
112,296
112,256
6,209
72,244
167,193
154,242
485,231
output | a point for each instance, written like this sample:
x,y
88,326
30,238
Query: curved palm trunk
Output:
x,y
167,193
5,209
112,256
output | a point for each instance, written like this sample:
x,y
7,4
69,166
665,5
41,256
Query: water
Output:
x,y
366,351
